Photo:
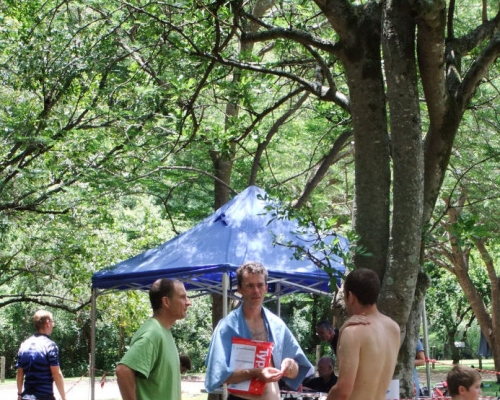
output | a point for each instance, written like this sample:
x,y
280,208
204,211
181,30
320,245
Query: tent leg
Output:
x,y
426,345
225,288
93,303
278,302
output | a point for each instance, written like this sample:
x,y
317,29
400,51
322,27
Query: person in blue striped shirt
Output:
x,y
38,362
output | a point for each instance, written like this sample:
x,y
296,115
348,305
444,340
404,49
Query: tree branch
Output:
x,y
59,302
478,71
430,54
321,172
304,38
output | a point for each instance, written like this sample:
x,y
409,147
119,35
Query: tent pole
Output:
x,y
426,346
225,288
92,343
278,303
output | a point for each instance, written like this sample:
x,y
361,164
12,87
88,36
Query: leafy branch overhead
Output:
x,y
125,123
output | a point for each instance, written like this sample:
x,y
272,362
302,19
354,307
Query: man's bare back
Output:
x,y
367,357
368,351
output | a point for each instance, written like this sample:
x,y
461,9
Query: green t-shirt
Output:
x,y
154,356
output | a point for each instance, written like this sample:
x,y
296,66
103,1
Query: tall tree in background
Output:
x,y
375,60
463,239
149,73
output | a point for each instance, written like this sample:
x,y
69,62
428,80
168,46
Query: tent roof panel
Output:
x,y
242,230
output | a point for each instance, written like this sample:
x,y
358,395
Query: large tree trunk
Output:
x,y
398,43
393,242
491,332
361,58
389,228
223,167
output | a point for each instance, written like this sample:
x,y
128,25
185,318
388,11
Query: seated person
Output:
x,y
327,333
325,380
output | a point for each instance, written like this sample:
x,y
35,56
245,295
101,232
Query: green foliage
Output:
x,y
193,333
449,312
301,313
445,299
52,262
71,333
112,114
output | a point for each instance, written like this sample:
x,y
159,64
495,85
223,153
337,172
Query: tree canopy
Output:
x,y
351,109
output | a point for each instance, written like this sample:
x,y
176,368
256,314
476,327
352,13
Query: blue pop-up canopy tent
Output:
x,y
244,229
206,257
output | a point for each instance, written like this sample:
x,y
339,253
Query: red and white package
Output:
x,y
247,354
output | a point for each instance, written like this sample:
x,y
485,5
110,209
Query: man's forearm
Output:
x,y
60,387
20,380
241,375
59,381
267,374
125,377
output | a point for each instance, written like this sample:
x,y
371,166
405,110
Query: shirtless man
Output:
x,y
253,321
367,354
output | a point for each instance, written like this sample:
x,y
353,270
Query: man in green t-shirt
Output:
x,y
150,369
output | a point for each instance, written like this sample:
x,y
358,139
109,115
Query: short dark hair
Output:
x,y
325,325
461,375
41,317
364,284
185,362
252,267
163,287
